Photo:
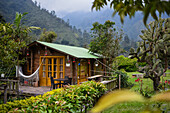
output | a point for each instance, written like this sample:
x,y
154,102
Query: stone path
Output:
x,y
34,90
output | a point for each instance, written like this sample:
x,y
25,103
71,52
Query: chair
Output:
x,y
66,82
53,85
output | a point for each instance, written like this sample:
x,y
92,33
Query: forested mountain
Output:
x,y
42,18
131,27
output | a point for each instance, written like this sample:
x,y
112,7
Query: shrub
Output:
x,y
124,79
126,63
72,98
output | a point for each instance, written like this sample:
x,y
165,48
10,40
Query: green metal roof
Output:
x,y
78,52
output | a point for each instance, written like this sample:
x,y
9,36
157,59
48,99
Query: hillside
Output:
x,y
41,17
131,27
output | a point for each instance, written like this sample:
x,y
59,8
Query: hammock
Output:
x,y
36,73
33,75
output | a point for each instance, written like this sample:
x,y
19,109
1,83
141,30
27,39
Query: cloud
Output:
x,y
66,5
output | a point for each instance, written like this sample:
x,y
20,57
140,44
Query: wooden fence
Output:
x,y
110,84
11,87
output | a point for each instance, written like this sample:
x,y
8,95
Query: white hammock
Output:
x,y
29,76
35,74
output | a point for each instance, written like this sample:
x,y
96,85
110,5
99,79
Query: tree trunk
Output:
x,y
156,81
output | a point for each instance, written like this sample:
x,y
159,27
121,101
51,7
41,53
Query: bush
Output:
x,y
124,79
126,63
69,99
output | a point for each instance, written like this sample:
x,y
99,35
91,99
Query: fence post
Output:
x,y
9,85
5,94
119,82
17,88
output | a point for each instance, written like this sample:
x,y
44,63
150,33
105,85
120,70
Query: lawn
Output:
x,y
147,83
135,107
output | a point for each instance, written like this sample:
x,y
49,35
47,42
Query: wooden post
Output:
x,y
119,82
9,86
5,94
17,88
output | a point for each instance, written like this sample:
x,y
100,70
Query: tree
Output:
x,y
48,36
126,43
53,13
154,49
12,40
1,19
130,7
86,39
105,40
8,48
126,39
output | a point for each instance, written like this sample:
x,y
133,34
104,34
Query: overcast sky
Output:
x,y
66,5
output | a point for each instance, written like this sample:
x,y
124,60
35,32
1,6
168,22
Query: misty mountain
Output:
x,y
42,18
84,20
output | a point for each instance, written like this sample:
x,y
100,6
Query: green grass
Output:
x,y
147,82
136,107
126,108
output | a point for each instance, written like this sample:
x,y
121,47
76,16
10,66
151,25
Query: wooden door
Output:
x,y
83,71
49,71
43,72
51,66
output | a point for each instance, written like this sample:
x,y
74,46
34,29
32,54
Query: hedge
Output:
x,y
73,98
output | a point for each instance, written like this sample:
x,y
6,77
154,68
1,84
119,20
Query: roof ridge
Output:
x,y
75,51
61,44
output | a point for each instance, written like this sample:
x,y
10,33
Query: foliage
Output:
x,y
8,48
130,7
129,65
164,85
105,40
127,43
13,38
48,36
120,96
144,91
124,79
154,49
69,99
1,19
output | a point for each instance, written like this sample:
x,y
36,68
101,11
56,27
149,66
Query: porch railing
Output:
x,y
110,84
11,86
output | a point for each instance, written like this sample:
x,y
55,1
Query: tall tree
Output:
x,y
48,36
105,40
154,49
130,7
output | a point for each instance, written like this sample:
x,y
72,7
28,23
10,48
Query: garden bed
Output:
x,y
74,98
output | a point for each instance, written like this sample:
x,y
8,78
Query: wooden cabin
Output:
x,y
59,61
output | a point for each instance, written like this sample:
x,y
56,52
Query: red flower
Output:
x,y
166,81
137,80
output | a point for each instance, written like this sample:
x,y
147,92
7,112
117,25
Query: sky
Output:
x,y
66,5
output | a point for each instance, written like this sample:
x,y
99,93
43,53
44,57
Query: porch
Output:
x,y
29,90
